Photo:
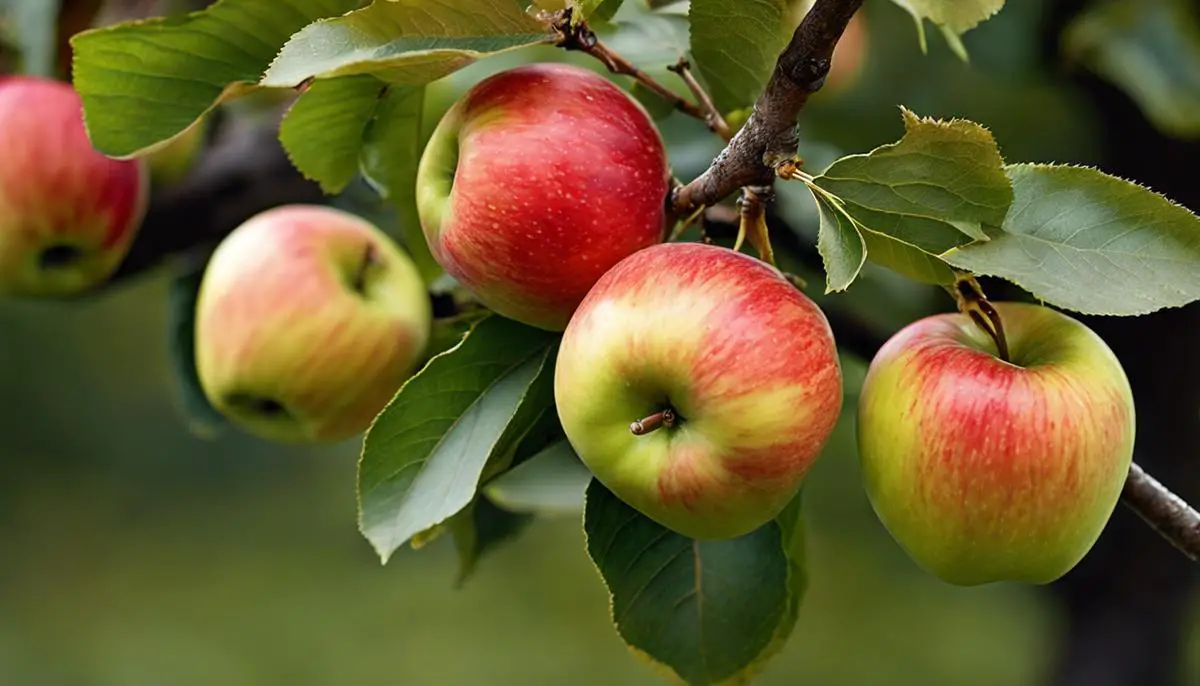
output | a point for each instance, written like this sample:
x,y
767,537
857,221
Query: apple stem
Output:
x,y
359,283
971,301
653,423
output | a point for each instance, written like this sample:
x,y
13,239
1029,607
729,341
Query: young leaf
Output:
x,y
406,42
34,26
323,130
952,17
1151,50
840,244
480,528
391,151
934,188
1093,243
735,44
202,418
709,612
423,457
553,480
144,82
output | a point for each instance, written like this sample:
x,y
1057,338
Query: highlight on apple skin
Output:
x,y
985,470
536,182
744,362
308,321
68,213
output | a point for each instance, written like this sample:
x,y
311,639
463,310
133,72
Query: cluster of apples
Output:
x,y
697,383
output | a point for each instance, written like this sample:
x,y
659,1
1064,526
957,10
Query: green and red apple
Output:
x,y
535,183
989,470
68,213
744,362
308,321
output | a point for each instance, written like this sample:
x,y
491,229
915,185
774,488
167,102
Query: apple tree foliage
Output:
x,y
470,446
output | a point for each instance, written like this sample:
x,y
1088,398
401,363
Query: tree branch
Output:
x,y
769,135
1164,511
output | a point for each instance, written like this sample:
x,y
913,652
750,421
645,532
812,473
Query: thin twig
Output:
x,y
713,117
580,37
1165,512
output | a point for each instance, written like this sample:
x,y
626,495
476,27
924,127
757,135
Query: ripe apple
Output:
x,y
536,182
67,212
744,362
985,470
308,321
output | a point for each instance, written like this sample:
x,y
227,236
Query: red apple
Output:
x,y
991,470
535,183
743,361
308,321
67,213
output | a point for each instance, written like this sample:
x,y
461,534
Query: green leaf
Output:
x,y
906,259
707,611
423,457
1149,49
323,130
553,480
144,82
202,418
391,151
407,42
604,9
481,528
934,188
841,245
653,40
35,33
952,17
1093,243
735,44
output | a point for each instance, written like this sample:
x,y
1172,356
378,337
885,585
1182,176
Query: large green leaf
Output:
x,y
952,17
1151,50
34,30
553,480
841,245
391,151
735,44
144,82
425,454
1093,243
934,188
407,42
907,259
323,130
709,611
479,529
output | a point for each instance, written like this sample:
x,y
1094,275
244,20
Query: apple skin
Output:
x,y
286,346
536,182
68,213
746,360
987,471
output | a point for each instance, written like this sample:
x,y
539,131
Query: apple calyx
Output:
x,y
654,422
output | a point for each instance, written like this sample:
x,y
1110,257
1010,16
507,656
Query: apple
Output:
x,y
308,321
68,213
535,183
736,367
989,470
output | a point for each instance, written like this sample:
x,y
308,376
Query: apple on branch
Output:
x,y
308,321
985,469
68,213
536,182
698,385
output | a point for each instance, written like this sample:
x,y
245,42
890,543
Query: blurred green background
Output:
x,y
135,553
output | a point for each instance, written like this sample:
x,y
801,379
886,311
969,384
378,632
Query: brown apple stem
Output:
x,y
653,423
712,117
971,301
360,276
581,37
1165,512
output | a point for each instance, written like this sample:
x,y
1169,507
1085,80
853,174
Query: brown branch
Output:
x,y
580,37
1164,511
712,115
769,135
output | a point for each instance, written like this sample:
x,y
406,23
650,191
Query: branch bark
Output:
x,y
769,135
1164,511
